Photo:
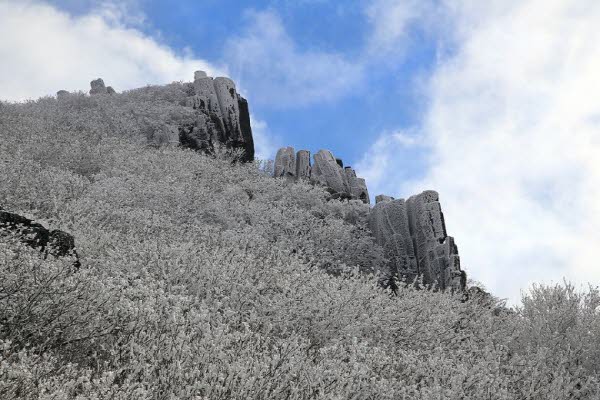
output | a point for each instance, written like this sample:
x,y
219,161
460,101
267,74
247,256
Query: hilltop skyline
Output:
x,y
493,108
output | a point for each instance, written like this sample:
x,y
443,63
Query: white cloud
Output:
x,y
392,163
390,21
44,50
269,64
513,130
265,143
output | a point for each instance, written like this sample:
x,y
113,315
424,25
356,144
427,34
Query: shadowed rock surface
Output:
x,y
33,234
98,87
285,163
303,164
222,116
413,235
326,170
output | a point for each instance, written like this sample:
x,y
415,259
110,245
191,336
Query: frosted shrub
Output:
x,y
203,278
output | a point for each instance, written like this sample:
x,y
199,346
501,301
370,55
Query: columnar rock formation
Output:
x,y
326,170
222,116
413,235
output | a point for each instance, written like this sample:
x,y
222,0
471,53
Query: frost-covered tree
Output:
x,y
207,279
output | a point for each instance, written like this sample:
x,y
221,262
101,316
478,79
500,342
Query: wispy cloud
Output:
x,y
265,142
269,64
50,50
513,132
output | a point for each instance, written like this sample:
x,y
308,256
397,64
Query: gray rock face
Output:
x,y
303,166
97,87
33,234
357,186
389,224
110,90
413,235
199,74
222,116
382,197
285,163
326,170
61,94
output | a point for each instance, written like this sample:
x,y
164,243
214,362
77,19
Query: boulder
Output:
x,y
97,87
110,90
61,94
285,163
33,234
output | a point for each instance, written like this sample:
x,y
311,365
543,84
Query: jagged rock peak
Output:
x,y
326,170
413,236
222,116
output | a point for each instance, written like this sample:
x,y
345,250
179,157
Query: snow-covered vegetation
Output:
x,y
207,279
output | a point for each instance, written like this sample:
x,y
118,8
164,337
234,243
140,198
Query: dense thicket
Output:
x,y
205,279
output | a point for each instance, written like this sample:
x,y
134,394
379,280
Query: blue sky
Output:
x,y
382,96
495,104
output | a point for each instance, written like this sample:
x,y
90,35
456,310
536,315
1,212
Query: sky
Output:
x,y
495,104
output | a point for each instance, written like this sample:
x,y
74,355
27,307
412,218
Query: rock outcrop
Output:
x,y
54,242
285,163
222,116
413,235
326,170
98,87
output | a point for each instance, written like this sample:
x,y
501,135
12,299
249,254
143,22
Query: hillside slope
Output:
x,y
203,278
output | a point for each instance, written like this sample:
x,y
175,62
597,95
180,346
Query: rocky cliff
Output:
x,y
222,116
412,232
413,235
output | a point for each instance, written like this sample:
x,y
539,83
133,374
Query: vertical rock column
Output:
x,y
357,186
230,111
303,167
222,116
389,224
285,163
327,171
437,255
